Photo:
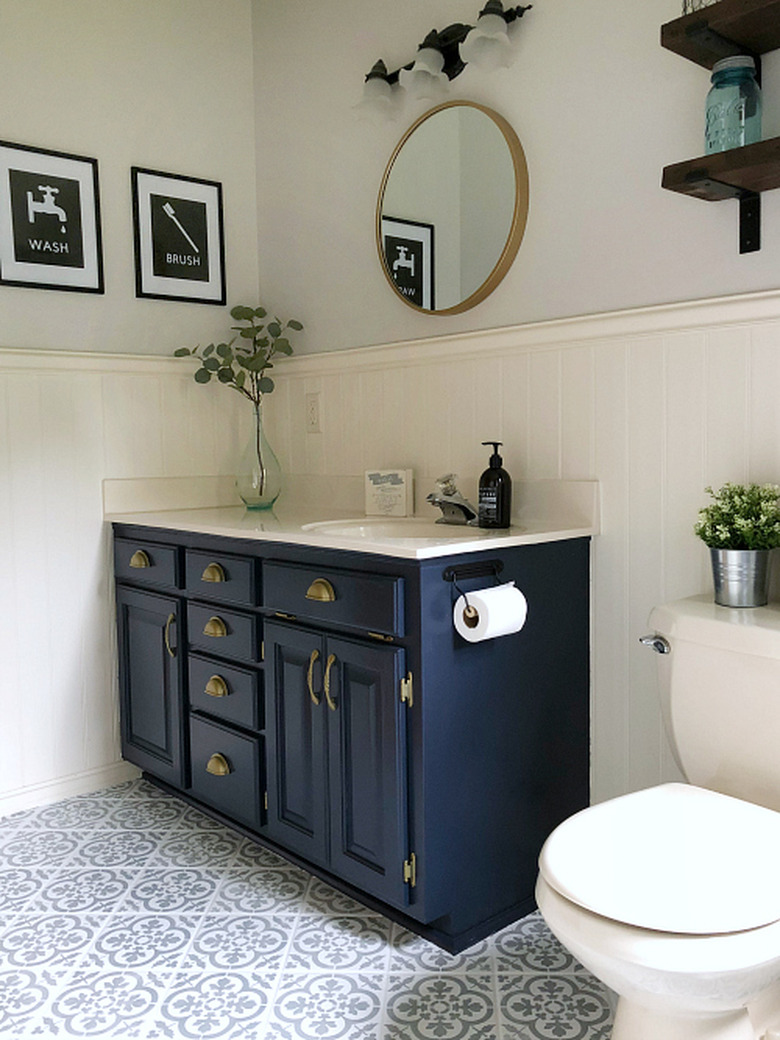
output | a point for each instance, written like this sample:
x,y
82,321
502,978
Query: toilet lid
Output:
x,y
673,858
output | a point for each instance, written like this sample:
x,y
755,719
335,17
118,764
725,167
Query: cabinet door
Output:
x,y
367,767
150,683
295,731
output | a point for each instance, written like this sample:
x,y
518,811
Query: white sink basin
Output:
x,y
393,527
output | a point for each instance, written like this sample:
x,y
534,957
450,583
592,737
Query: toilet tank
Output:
x,y
720,695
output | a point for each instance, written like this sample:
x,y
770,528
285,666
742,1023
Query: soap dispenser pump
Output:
x,y
495,492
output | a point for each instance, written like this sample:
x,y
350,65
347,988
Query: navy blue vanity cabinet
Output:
x,y
337,760
150,646
321,701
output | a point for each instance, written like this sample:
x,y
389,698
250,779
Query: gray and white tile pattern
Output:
x,y
129,914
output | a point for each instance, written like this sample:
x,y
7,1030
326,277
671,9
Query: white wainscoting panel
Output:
x,y
67,422
653,403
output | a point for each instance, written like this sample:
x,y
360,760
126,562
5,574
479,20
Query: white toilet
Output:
x,y
671,896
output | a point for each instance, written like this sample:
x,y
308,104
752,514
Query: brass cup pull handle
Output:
x,y
321,590
309,679
214,572
326,682
140,559
217,687
215,627
218,765
167,635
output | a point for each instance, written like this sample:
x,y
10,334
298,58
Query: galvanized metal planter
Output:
x,y
741,576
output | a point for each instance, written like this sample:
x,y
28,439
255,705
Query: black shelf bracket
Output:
x,y
749,206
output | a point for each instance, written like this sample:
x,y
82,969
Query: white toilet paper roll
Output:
x,y
488,613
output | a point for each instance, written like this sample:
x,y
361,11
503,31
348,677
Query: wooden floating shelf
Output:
x,y
724,28
726,175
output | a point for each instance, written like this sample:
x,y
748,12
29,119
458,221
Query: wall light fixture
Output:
x,y
441,57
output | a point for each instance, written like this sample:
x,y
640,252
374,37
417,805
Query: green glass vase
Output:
x,y
259,478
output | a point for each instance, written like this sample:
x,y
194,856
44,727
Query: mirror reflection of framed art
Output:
x,y
49,220
179,237
408,252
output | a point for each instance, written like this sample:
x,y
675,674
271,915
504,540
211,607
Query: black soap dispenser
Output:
x,y
495,492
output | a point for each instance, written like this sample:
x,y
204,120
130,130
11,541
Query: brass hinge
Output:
x,y
407,691
262,649
410,870
265,801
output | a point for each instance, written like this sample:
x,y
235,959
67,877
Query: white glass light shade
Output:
x,y
380,102
425,78
487,45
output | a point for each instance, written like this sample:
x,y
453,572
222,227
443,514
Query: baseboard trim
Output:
x,y
67,787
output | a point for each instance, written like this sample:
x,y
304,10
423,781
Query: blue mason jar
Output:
x,y
733,105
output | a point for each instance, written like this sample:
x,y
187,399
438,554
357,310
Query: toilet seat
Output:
x,y
673,858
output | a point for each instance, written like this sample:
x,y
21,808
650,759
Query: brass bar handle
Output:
x,y
321,590
326,682
316,701
167,634
218,765
217,687
215,627
140,559
214,572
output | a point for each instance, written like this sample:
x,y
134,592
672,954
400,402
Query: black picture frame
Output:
x,y
50,235
179,237
407,248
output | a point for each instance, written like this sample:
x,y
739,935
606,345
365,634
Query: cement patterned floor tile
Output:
x,y
340,944
440,1007
553,1007
311,1007
281,890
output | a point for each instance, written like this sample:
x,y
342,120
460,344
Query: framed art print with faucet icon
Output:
x,y
49,220
408,251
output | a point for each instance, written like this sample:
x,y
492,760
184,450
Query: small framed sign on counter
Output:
x,y
49,220
179,237
389,492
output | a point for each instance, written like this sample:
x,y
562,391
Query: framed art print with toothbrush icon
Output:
x,y
49,220
179,237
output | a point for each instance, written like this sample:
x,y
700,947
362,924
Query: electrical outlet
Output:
x,y
313,412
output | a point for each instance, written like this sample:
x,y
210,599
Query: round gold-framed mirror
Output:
x,y
452,208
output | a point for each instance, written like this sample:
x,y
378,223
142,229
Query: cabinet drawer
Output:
x,y
227,770
221,577
233,694
223,632
146,563
370,602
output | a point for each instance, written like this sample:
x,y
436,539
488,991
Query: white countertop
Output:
x,y
423,539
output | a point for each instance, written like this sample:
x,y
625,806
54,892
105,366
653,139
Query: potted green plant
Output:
x,y
741,527
242,364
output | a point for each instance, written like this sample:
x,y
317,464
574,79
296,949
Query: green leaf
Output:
x,y
260,312
212,364
245,362
202,376
182,352
274,329
240,380
256,363
247,333
282,346
224,350
225,375
208,350
293,324
265,385
241,313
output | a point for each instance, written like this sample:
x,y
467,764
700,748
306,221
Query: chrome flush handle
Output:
x,y
657,643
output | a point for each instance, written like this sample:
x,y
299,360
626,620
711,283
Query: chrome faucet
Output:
x,y
454,507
